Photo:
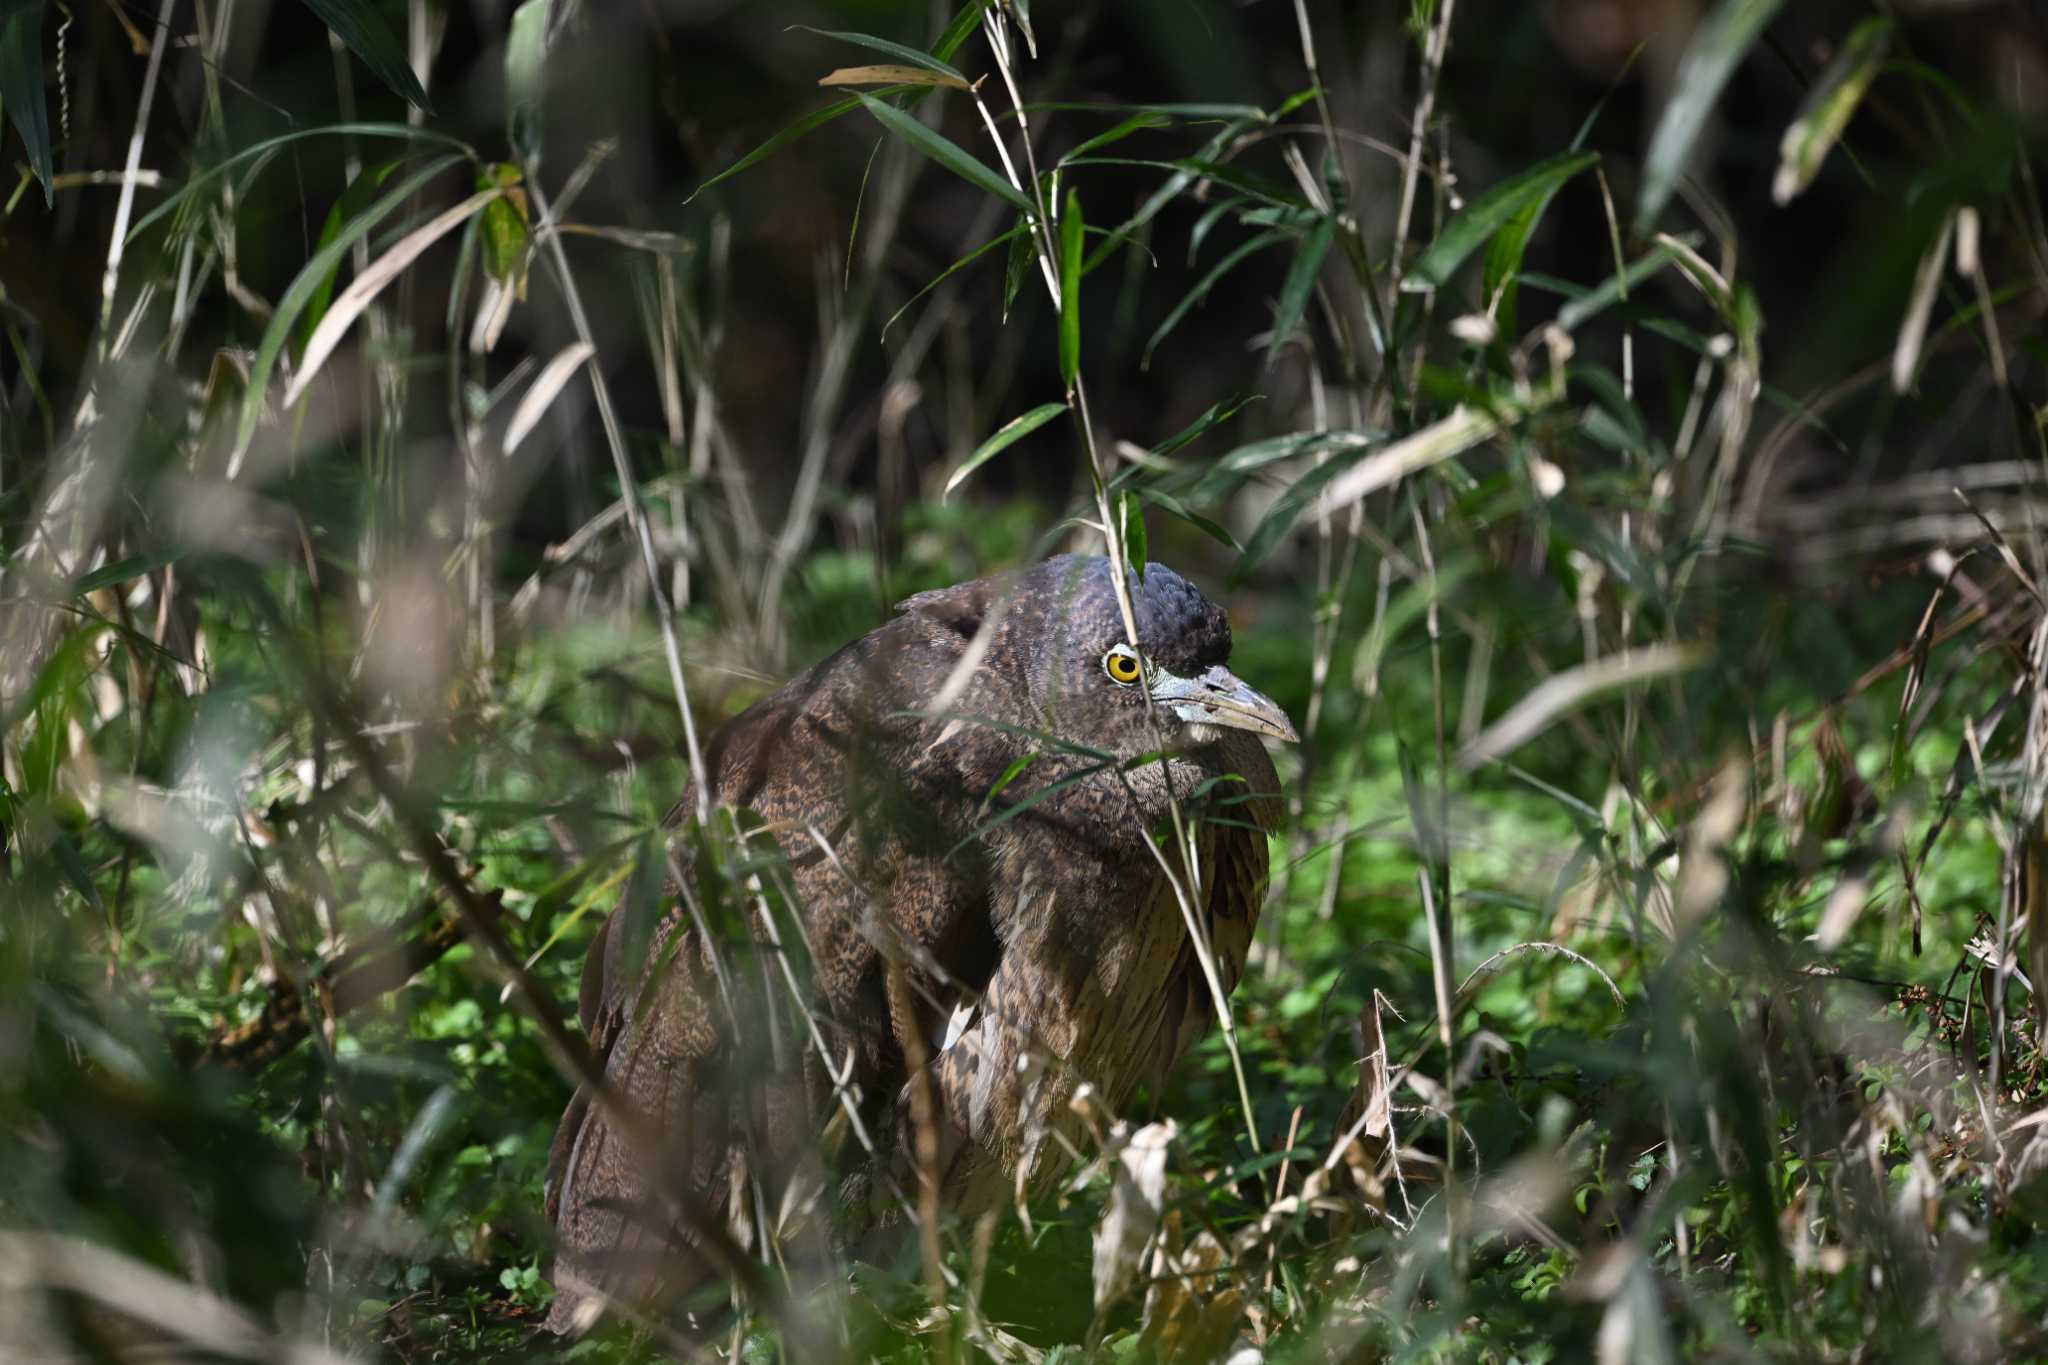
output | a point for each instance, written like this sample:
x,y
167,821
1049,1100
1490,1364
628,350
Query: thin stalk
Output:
x,y
629,491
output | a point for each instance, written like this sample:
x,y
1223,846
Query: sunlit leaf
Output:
x,y
1012,431
1829,106
526,50
307,282
1573,688
367,285
1479,220
943,151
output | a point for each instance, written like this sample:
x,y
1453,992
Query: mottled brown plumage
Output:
x,y
1004,928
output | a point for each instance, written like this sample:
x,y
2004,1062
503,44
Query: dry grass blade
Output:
x,y
363,290
1571,689
892,75
1494,963
1920,307
142,1292
1439,441
545,388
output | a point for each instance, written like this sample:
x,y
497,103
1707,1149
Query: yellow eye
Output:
x,y
1121,667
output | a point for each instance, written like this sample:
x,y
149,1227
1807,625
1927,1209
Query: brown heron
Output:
x,y
966,809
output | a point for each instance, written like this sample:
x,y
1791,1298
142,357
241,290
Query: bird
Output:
x,y
956,907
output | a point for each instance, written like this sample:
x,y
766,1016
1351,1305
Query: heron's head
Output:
x,y
1174,690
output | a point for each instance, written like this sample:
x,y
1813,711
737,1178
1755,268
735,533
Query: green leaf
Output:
x,y
957,32
1205,284
1023,255
271,144
75,870
939,149
1718,46
1287,508
363,31
1167,502
1301,279
1218,412
307,283
1016,429
357,194
1829,107
810,122
1018,231
1136,123
1487,214
1175,183
526,50
960,29
1072,233
121,570
21,87
1131,516
910,56
1224,476
1595,301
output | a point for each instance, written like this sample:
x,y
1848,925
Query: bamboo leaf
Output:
x,y
1717,48
1016,429
363,31
1131,529
939,149
526,50
908,56
1205,284
1288,507
1829,107
1016,232
1920,306
303,287
1490,212
1440,440
1572,689
1301,279
1136,123
957,32
366,286
21,88
558,373
270,144
892,75
121,570
797,128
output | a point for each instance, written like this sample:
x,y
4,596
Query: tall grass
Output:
x,y
394,497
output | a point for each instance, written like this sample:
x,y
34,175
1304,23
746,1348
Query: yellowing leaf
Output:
x,y
892,75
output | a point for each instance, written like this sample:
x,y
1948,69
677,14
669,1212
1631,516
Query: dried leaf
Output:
x,y
558,373
366,286
1136,1201
892,75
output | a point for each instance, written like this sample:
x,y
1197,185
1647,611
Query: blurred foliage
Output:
x,y
1616,425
